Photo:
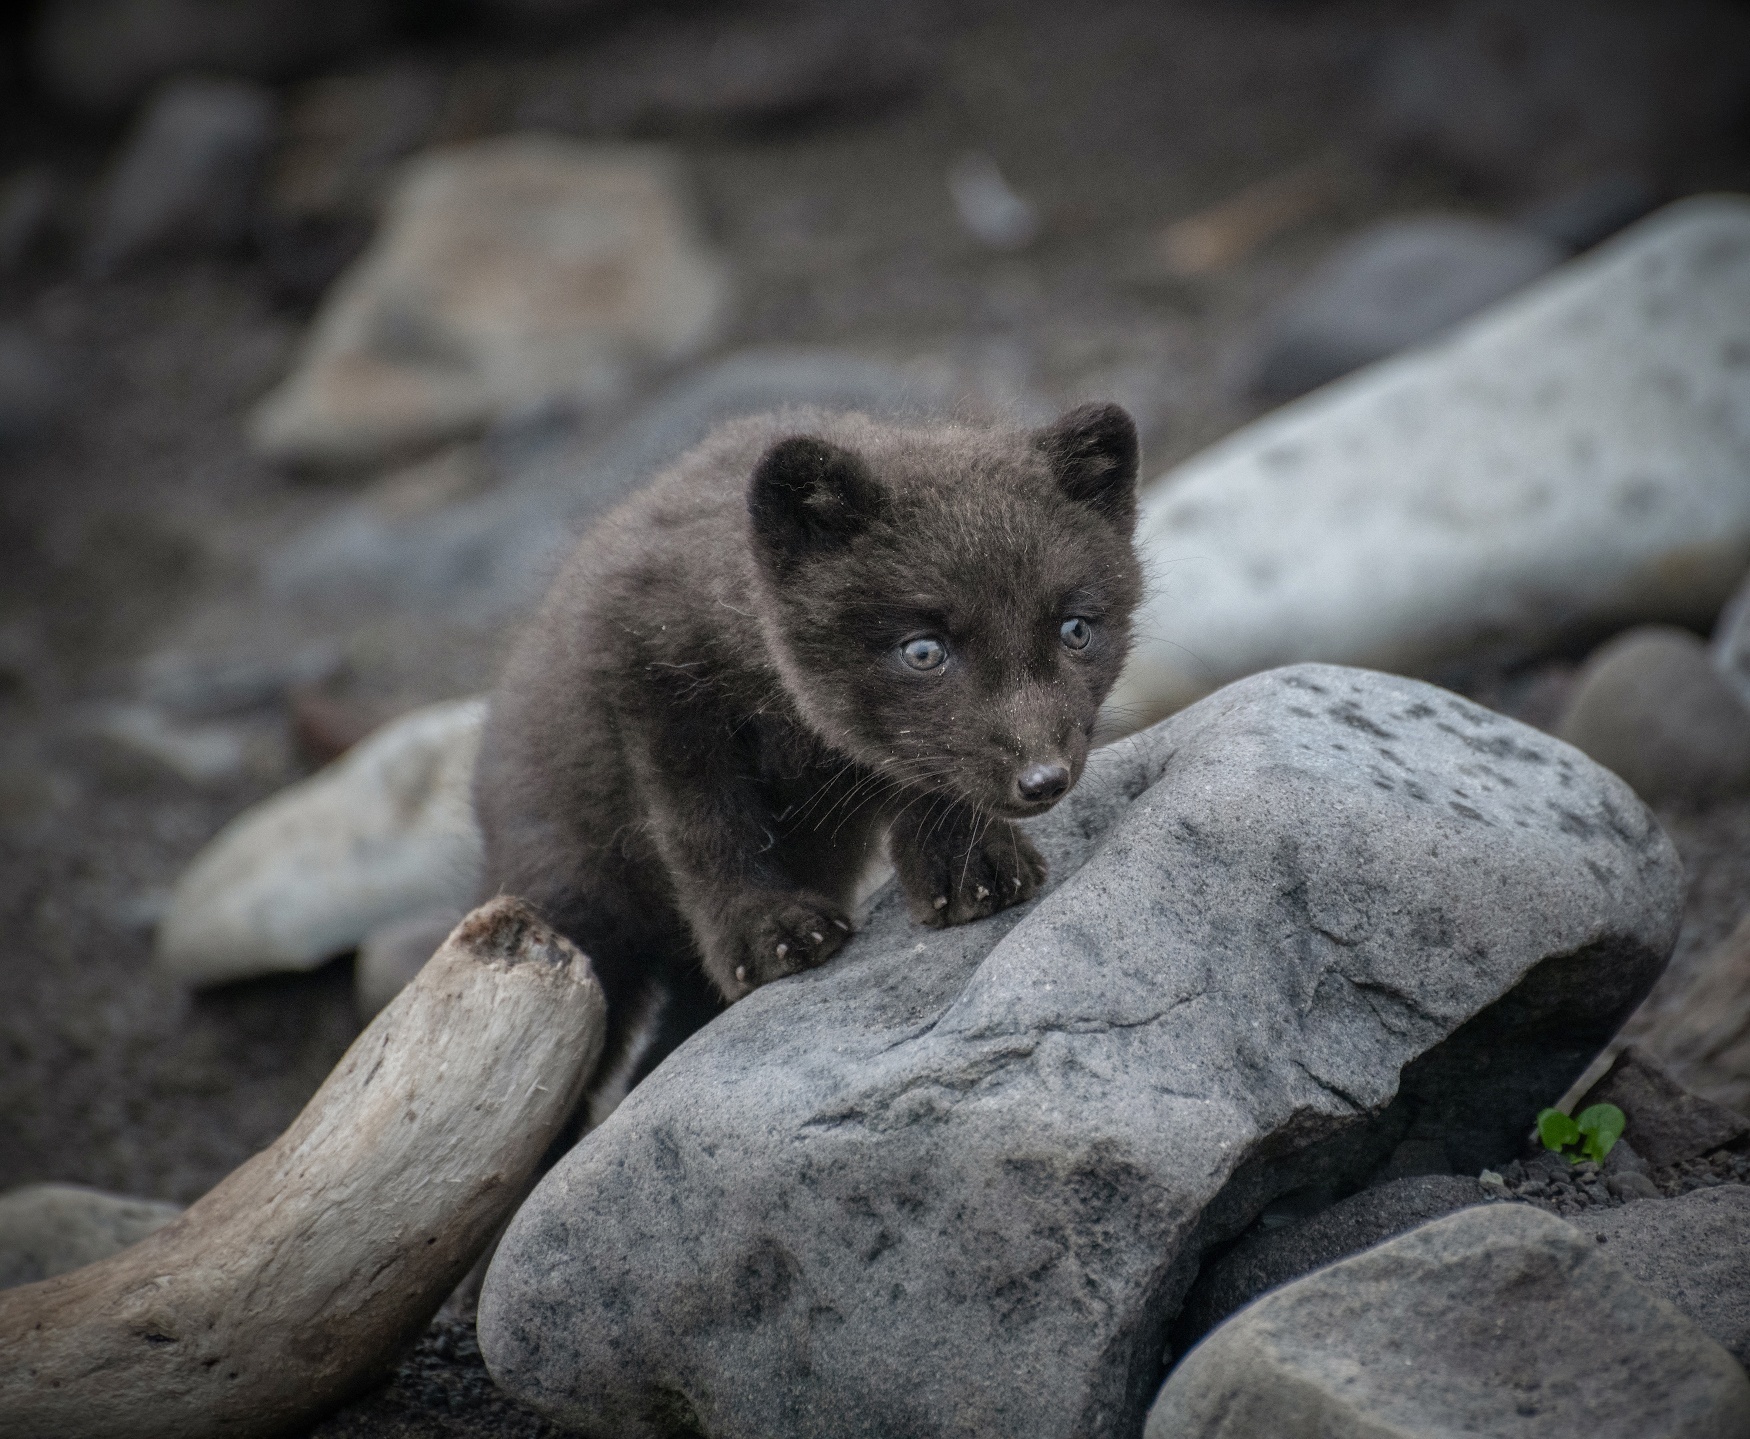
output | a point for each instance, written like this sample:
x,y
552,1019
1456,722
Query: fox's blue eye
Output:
x,y
1075,632
924,653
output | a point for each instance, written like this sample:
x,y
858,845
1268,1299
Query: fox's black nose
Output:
x,y
1042,782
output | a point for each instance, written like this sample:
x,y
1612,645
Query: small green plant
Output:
x,y
1593,1134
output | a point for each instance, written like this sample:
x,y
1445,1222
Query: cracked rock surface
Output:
x,y
957,1182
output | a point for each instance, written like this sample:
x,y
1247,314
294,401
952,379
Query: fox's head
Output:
x,y
950,605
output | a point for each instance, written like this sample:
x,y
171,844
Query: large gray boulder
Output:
x,y
958,1181
1571,459
1500,1320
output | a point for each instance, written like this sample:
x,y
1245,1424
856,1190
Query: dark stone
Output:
x,y
1532,96
1388,287
1666,1123
187,174
1586,215
1265,1259
102,55
33,389
1651,706
1497,1320
1693,1251
720,70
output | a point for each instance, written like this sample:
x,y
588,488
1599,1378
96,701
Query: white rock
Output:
x,y
1574,457
201,754
383,832
507,273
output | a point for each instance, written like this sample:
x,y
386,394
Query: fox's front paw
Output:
x,y
769,935
951,883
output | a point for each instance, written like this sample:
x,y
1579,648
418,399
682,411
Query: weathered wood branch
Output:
x,y
296,1282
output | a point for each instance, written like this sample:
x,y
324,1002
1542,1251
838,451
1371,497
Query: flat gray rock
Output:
x,y
508,274
958,1181
1693,1251
1571,459
1500,1320
50,1229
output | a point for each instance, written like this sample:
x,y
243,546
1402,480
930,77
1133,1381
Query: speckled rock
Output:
x,y
957,1182
49,1229
1499,1320
384,832
508,274
1571,458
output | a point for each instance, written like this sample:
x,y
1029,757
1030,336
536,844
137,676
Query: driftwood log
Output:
x,y
298,1281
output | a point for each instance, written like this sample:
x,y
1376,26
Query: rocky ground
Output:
x,y
140,526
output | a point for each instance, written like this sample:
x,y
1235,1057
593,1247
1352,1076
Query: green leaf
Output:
x,y
1555,1129
1602,1125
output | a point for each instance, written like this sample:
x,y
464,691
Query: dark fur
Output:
x,y
704,738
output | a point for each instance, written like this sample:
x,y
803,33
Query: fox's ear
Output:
x,y
809,496
1093,451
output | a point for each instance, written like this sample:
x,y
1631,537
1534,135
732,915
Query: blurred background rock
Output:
x,y
287,443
